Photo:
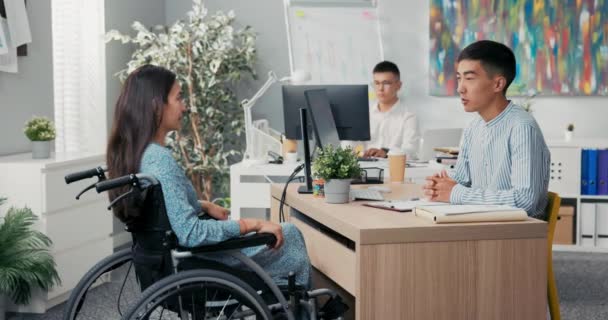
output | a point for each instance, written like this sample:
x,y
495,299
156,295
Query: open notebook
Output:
x,y
470,213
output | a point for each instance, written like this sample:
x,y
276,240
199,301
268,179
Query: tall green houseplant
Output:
x,y
209,56
25,260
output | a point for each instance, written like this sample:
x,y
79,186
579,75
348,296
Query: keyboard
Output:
x,y
367,159
366,194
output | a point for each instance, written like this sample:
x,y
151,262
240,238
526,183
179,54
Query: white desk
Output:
x,y
250,185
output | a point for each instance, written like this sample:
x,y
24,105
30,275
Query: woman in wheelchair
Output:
x,y
150,106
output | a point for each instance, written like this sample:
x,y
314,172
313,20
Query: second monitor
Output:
x,y
349,106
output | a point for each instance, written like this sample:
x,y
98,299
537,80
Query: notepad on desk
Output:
x,y
470,213
402,205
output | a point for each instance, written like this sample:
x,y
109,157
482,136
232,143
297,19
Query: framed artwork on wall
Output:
x,y
561,46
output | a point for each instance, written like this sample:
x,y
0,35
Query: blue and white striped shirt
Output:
x,y
504,161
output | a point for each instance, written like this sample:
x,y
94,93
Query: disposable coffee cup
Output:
x,y
396,165
289,146
291,157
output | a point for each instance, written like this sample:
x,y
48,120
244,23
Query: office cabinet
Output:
x,y
590,211
81,230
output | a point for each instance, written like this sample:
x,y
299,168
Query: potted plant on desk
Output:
x,y
337,166
25,260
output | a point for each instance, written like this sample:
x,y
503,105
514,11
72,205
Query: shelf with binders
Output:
x,y
571,165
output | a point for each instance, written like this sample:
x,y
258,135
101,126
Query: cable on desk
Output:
x,y
284,194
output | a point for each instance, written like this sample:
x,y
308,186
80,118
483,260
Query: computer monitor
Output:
x,y
349,107
322,118
436,138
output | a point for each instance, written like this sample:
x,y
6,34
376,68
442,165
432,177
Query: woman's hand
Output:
x,y
215,211
262,226
274,228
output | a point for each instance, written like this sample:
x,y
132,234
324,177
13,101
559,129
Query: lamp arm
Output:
x,y
248,103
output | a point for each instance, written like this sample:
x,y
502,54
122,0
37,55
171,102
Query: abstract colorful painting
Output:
x,y
561,46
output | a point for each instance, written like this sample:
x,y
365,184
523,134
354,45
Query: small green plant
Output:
x,y
39,129
336,163
570,127
25,260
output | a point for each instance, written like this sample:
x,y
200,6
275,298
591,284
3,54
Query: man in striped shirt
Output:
x,y
503,157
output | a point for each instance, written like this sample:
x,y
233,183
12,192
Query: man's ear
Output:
x,y
499,83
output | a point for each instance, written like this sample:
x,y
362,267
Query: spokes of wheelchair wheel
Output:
x,y
118,286
201,300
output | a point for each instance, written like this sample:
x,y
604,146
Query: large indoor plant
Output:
x,y
41,131
209,56
25,260
337,166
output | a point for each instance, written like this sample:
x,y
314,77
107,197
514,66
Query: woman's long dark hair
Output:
x,y
137,117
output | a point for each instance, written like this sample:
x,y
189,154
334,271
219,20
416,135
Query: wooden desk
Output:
x,y
398,266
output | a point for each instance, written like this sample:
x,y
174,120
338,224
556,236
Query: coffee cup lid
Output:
x,y
396,152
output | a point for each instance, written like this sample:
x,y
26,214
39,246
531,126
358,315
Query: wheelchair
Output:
x,y
175,282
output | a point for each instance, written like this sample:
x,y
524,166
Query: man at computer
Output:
x,y
503,157
391,124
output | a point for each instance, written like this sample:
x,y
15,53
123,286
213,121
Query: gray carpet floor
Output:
x,y
582,282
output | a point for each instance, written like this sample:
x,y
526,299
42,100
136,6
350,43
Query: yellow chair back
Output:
x,y
552,214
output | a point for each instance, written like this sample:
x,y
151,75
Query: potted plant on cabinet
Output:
x,y
337,166
25,260
41,132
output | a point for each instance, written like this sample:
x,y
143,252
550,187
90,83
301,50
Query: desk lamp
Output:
x,y
297,77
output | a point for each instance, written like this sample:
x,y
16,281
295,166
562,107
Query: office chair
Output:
x,y
552,213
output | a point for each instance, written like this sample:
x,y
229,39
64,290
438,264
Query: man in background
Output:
x,y
392,125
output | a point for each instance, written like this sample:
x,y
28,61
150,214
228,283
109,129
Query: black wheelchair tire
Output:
x,y
191,276
109,263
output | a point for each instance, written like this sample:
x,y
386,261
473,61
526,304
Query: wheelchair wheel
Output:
x,y
111,279
199,294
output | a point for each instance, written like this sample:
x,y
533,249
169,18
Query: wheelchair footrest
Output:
x,y
333,308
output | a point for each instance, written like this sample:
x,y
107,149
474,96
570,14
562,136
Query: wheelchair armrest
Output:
x,y
247,241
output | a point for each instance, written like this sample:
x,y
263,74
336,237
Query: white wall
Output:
x,y
120,15
29,92
405,32
405,38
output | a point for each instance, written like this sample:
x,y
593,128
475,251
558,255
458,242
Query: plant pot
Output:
x,y
337,191
568,135
3,300
41,149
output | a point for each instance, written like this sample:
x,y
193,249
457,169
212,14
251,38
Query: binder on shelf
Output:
x,y
592,174
588,224
602,225
470,213
584,172
602,172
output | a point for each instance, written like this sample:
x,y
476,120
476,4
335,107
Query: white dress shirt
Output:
x,y
396,128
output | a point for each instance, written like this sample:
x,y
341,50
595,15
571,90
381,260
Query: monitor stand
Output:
x,y
306,188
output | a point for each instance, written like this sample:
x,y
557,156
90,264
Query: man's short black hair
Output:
x,y
495,58
387,66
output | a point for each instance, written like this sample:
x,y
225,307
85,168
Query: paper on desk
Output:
x,y
18,23
403,205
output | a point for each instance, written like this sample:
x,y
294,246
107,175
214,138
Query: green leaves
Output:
x,y
25,260
336,163
39,129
